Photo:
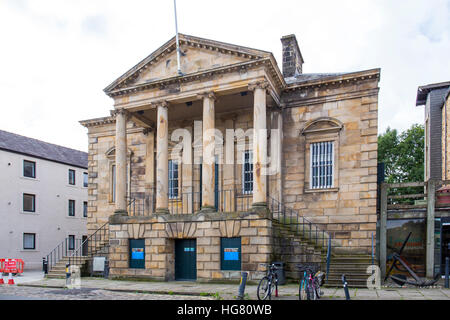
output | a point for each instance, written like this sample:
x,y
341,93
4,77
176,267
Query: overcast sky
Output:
x,y
57,56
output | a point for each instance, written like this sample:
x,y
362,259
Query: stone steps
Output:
x,y
354,268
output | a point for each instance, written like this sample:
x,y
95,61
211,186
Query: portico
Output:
x,y
154,104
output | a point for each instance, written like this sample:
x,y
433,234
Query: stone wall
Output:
x,y
161,231
348,210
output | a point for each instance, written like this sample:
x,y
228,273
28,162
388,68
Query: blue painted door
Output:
x,y
185,259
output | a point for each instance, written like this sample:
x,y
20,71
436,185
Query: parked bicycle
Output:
x,y
267,284
310,283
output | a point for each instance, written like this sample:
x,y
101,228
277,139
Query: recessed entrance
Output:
x,y
186,259
445,242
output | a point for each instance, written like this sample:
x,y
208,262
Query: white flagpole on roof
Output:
x,y
177,40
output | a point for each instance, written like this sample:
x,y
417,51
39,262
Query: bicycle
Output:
x,y
267,284
312,280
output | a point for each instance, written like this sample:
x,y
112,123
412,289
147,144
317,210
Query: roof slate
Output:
x,y
304,77
44,150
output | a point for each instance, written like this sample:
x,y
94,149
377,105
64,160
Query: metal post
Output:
x,y
344,282
447,267
372,248
383,226
242,285
45,265
328,256
431,189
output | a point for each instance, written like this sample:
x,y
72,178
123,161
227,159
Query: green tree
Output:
x,y
403,157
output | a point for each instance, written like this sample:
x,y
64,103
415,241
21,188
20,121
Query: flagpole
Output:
x,y
177,39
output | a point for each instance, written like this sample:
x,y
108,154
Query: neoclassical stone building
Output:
x,y
194,166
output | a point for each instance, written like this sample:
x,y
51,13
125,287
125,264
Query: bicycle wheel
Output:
x,y
264,287
317,289
303,293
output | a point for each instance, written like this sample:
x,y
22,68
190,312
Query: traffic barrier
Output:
x,y
2,266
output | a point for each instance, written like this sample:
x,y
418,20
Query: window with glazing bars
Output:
x,y
173,179
247,173
322,161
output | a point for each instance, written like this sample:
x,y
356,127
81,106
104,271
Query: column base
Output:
x,y
259,204
208,209
162,211
120,212
261,209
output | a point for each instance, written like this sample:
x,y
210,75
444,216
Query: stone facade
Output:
x,y
253,108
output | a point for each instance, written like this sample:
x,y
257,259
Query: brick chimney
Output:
x,y
292,57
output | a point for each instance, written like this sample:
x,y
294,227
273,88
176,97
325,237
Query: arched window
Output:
x,y
322,154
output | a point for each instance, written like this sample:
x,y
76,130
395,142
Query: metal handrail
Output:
x,y
95,242
61,251
302,226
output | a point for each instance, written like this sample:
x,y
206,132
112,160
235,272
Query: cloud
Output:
x,y
58,55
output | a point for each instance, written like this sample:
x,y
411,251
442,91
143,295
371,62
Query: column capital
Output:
x,y
120,111
160,103
261,84
207,94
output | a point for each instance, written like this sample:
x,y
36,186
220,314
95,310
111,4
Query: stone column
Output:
x,y
121,161
259,143
150,172
208,151
229,166
162,160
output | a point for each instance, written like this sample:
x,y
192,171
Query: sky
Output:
x,y
57,56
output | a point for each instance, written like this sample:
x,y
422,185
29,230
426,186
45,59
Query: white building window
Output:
x,y
247,172
173,179
322,165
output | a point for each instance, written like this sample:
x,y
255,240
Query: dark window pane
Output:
x,y
71,242
29,169
85,209
71,176
29,202
85,180
71,208
29,241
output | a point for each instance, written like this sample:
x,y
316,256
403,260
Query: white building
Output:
x,y
43,198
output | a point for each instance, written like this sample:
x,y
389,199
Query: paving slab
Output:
x,y
229,291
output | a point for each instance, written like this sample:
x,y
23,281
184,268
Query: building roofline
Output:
x,y
19,144
422,91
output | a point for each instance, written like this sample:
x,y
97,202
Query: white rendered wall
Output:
x,y
50,221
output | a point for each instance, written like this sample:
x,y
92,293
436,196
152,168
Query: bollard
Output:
x,y
242,285
447,267
67,275
344,282
44,265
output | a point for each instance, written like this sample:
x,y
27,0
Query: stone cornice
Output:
x,y
203,75
98,121
330,98
372,74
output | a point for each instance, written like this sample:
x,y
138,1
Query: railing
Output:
x,y
62,250
191,202
297,223
96,243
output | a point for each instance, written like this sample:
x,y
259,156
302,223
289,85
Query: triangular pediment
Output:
x,y
198,55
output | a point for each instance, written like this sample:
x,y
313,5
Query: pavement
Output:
x,y
35,286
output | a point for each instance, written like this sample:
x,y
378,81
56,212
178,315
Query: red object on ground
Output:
x,y
443,195
10,266
10,279
2,264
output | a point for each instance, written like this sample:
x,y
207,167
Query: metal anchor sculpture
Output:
x,y
402,279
